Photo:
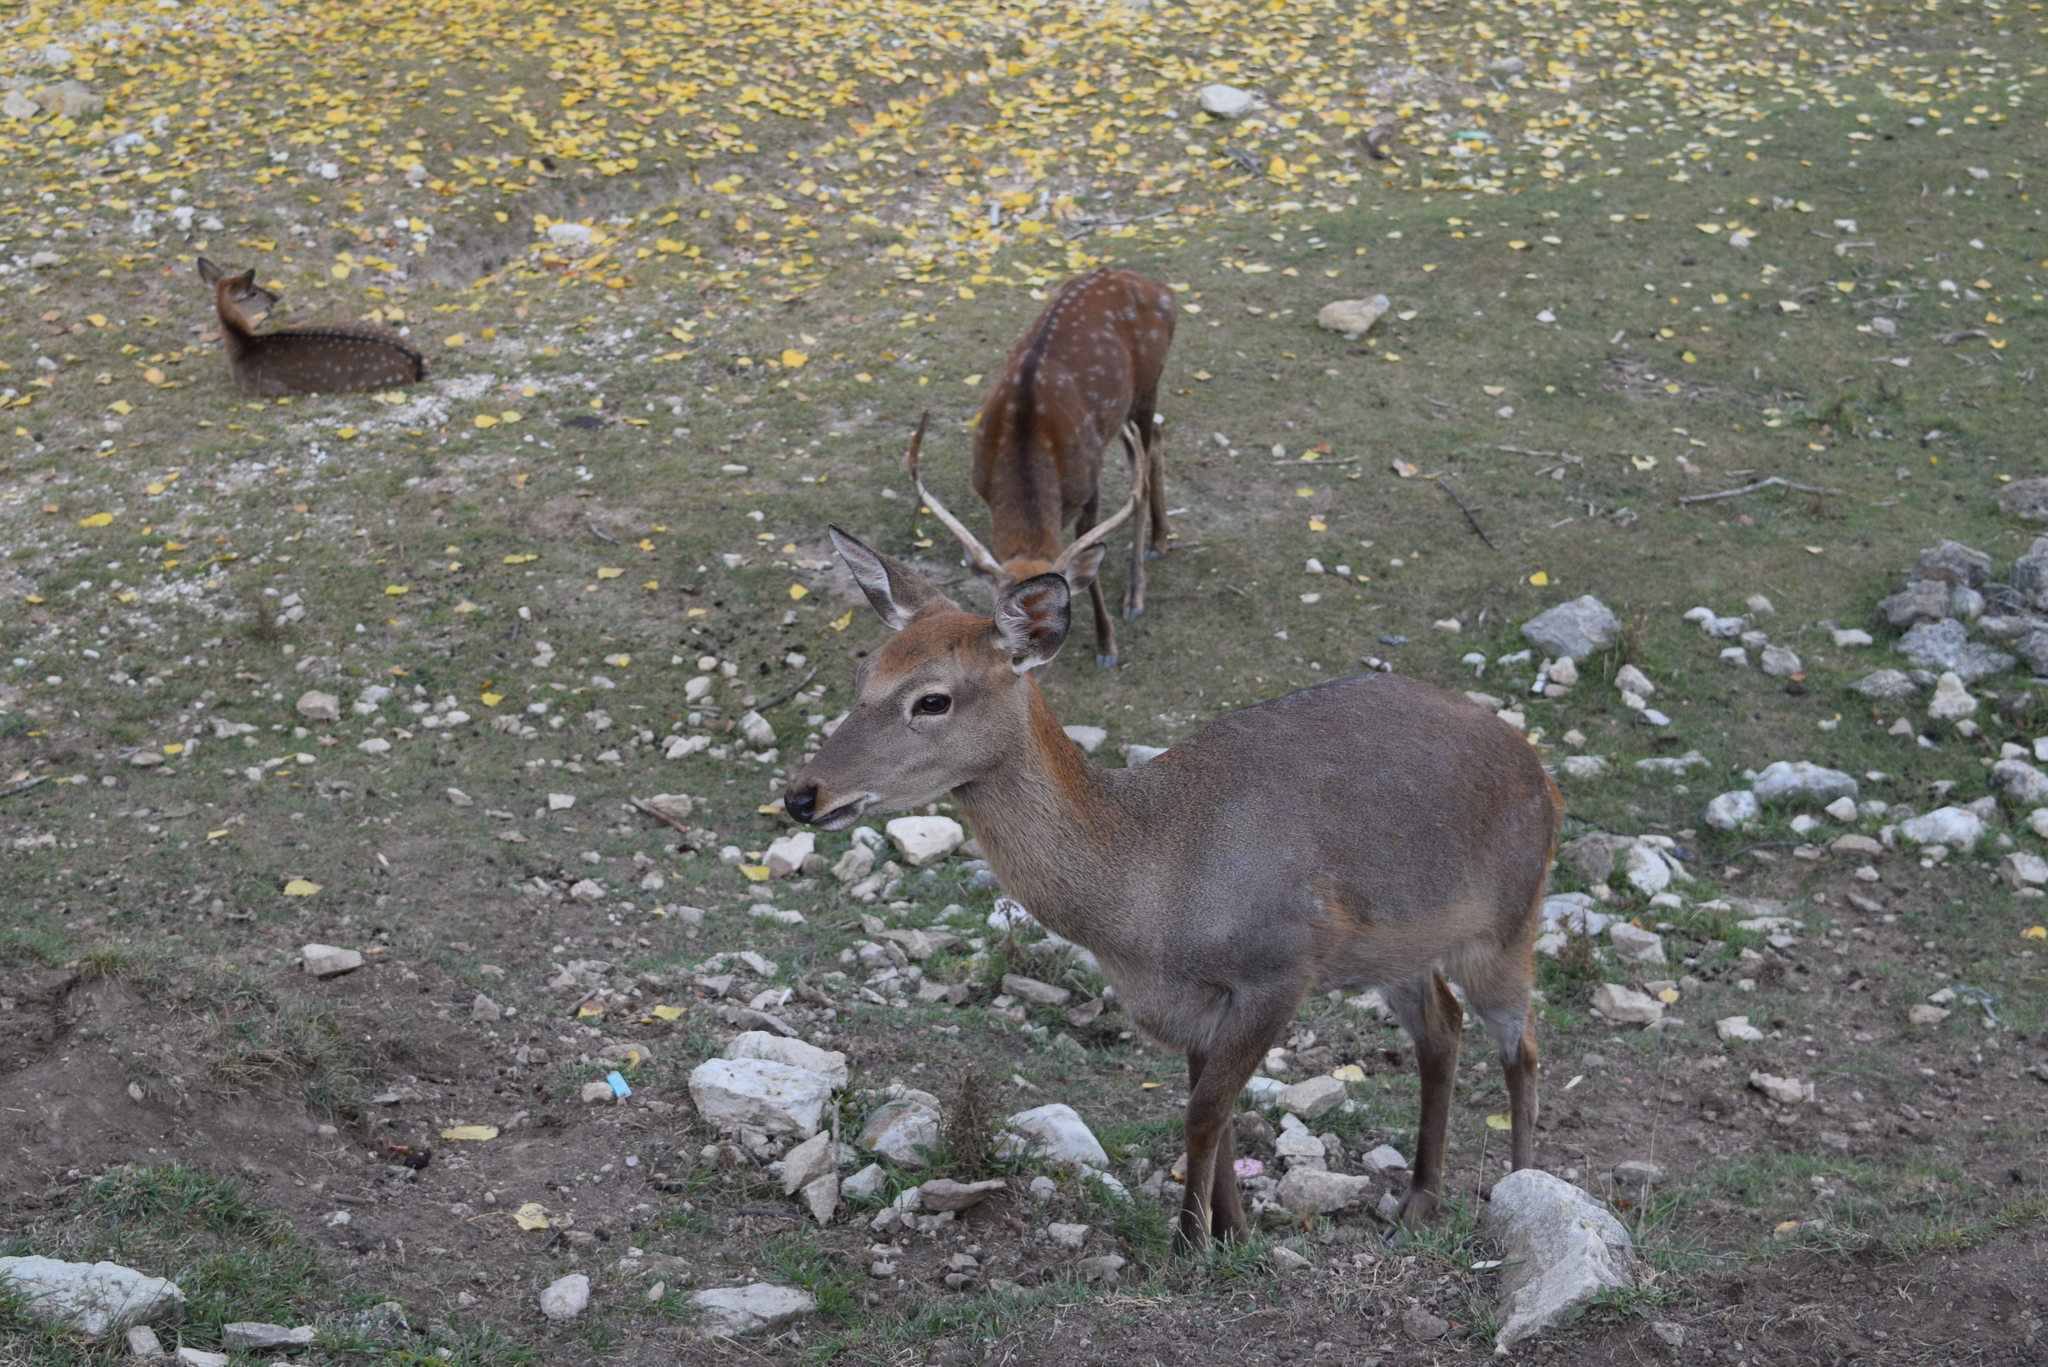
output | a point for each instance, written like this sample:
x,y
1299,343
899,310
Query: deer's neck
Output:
x,y
235,333
1048,822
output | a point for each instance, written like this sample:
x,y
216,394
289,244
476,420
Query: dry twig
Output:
x,y
1780,482
1470,516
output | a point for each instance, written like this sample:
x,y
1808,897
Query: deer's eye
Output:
x,y
932,705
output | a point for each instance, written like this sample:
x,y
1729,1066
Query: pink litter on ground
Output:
x,y
1248,1167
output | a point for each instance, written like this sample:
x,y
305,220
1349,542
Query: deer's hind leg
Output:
x,y
1434,1020
1134,583
1497,984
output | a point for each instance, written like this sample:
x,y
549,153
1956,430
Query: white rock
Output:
x,y
1802,781
1560,1248
482,1008
1576,629
900,1131
1629,679
807,1162
923,840
143,1342
561,802
2023,870
1310,1190
188,1356
318,706
828,1064
1057,1134
326,961
821,1197
256,1336
1951,700
19,106
728,1312
1317,1096
1353,316
1731,810
1852,636
786,854
1781,663
1786,1091
91,1298
1957,827
1226,101
1583,766
1135,755
868,1182
1264,1091
375,745
1636,945
756,729
1736,656
1844,810
777,1097
1737,1028
587,891
1089,738
1927,1015
1564,671
1626,1005
1386,1158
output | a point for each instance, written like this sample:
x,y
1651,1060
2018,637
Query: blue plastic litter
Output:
x,y
619,1087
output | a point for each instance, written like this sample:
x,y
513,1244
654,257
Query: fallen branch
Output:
x,y
1470,516
11,789
1951,338
1752,488
600,535
664,818
1543,455
781,698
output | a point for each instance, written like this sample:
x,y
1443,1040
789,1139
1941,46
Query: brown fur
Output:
x,y
1088,366
315,359
1371,831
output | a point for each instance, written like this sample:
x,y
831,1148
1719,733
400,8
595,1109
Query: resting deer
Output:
x,y
1086,370
312,359
1370,831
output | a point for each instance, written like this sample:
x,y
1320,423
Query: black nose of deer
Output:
x,y
801,801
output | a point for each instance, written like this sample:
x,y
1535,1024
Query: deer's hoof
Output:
x,y
1133,614
1415,1208
1157,553
1105,661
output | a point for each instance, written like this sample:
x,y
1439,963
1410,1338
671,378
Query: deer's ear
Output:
x,y
1032,620
209,272
898,594
1086,566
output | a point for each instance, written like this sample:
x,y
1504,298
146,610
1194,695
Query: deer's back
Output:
x,y
1089,363
328,358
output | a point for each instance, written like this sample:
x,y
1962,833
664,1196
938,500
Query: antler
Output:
x,y
977,554
1134,443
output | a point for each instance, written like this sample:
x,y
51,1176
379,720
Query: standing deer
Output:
x,y
1370,831
313,359
1086,370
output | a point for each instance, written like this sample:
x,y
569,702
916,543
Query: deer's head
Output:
x,y
1078,564
945,701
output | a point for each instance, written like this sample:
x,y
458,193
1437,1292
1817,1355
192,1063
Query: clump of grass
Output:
x,y
1569,979
304,1040
970,1125
264,625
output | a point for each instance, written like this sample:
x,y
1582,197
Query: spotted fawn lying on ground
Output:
x,y
317,358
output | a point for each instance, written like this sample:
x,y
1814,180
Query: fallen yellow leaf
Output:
x,y
216,835
844,621
520,559
797,591
455,1132
1499,1122
793,359
756,873
609,573
493,699
669,1013
1539,579
396,590
1350,1072
96,520
532,1215
484,420
299,887
1316,524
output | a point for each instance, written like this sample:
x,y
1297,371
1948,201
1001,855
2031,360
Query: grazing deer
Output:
x,y
312,359
1370,831
1086,370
